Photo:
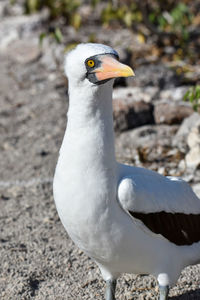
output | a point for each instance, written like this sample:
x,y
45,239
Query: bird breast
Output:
x,y
84,192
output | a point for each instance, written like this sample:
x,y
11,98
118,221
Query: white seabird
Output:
x,y
128,219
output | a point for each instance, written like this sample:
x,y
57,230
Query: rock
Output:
x,y
13,27
7,8
85,11
24,51
169,50
185,128
170,113
53,56
194,137
7,37
154,75
48,59
130,94
132,107
174,94
150,146
192,76
131,115
14,9
193,156
146,136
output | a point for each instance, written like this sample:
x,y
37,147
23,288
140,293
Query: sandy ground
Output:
x,y
37,258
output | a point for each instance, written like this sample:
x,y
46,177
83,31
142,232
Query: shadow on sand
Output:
x,y
191,295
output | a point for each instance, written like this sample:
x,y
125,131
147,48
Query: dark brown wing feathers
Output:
x,y
178,228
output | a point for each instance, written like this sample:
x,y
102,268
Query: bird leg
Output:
x,y
164,291
110,289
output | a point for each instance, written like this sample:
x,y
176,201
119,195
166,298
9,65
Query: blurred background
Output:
x,y
156,120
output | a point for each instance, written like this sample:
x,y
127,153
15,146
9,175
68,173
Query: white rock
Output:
x,y
162,171
130,94
194,137
15,9
8,38
193,157
13,27
48,59
175,94
182,166
24,51
185,128
145,136
193,141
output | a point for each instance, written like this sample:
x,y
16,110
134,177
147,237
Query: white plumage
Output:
x,y
143,190
95,195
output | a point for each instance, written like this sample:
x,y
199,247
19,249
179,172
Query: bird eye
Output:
x,y
90,63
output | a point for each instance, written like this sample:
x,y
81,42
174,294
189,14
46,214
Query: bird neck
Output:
x,y
90,123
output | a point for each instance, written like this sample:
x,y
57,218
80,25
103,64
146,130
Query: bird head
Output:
x,y
94,65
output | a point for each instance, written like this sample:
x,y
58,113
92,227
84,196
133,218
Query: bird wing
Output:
x,y
143,190
166,205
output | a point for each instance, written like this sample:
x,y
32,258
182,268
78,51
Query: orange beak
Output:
x,y
112,68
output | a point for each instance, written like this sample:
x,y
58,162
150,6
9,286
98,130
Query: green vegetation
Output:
x,y
122,13
175,20
193,96
57,8
171,23
56,34
158,18
171,19
167,16
162,18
